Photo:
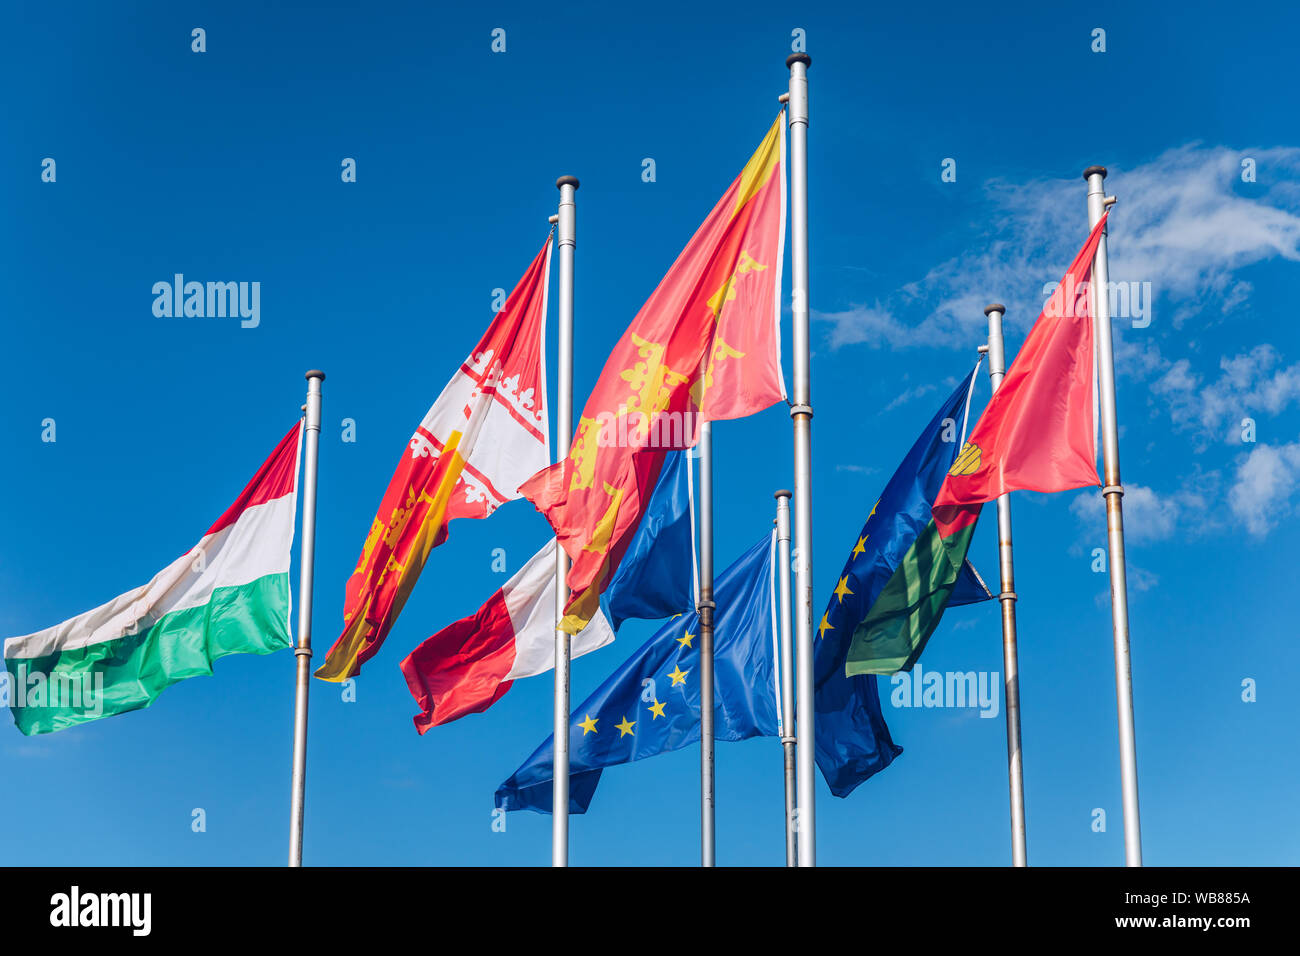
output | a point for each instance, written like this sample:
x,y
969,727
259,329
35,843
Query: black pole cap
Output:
x,y
1094,169
995,307
783,493
315,373
794,58
567,181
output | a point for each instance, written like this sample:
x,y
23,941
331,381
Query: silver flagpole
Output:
x,y
708,841
302,653
1007,598
1113,492
786,663
567,238
801,413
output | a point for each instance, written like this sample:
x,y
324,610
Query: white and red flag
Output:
x,y
470,663
483,437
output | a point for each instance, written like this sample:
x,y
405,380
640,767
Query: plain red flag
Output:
x,y
1039,431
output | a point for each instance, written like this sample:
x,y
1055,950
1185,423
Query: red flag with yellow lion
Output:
x,y
704,347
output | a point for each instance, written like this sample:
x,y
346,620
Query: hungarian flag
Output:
x,y
485,435
705,346
229,594
467,666
1039,430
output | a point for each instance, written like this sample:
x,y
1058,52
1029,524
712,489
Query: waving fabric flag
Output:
x,y
467,666
900,577
655,577
229,594
1039,430
485,435
705,346
651,704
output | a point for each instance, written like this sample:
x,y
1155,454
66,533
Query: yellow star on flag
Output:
x,y
841,589
588,725
686,641
824,627
657,709
678,675
860,548
625,727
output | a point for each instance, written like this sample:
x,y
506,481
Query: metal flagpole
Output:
x,y
1113,491
801,413
786,664
1007,598
567,238
302,653
708,843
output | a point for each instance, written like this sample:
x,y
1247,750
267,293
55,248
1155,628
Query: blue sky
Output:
x,y
225,165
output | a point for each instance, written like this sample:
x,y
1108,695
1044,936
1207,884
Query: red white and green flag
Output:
x,y
229,594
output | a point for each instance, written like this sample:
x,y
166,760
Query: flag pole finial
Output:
x,y
566,181
1092,170
783,493
794,58
995,307
315,373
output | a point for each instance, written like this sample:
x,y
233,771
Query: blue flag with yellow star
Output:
x,y
654,578
651,704
887,603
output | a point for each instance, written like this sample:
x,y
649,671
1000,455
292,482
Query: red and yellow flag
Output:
x,y
1039,430
484,436
704,347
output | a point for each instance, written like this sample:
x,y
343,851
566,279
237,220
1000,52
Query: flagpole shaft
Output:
x,y
567,239
801,413
786,663
1113,492
1007,599
302,653
708,839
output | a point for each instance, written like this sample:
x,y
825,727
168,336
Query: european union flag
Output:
x,y
888,601
651,704
654,578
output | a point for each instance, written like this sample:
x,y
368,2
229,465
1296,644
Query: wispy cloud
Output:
x,y
908,394
1151,516
1185,223
1248,384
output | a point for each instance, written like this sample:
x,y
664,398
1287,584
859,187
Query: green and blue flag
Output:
x,y
887,602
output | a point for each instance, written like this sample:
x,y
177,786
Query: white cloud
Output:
x,y
1150,516
1248,384
1261,490
1185,223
